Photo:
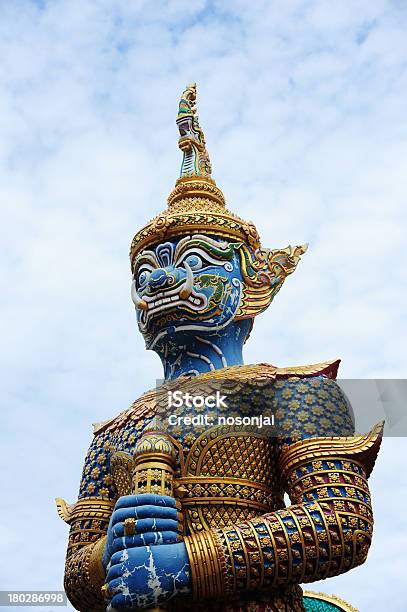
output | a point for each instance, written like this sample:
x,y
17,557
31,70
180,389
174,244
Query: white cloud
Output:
x,y
303,109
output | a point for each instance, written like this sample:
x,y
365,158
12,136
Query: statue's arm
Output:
x,y
89,519
326,531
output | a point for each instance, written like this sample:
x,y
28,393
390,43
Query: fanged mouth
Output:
x,y
168,300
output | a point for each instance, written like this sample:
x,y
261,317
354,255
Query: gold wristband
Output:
x,y
96,570
206,566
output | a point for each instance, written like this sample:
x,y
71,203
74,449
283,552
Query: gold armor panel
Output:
x,y
230,476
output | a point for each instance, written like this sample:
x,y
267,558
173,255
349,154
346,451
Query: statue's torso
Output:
x,y
226,474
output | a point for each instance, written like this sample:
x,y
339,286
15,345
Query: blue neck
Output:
x,y
195,353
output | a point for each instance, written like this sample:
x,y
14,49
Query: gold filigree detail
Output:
x,y
263,276
96,570
193,186
121,469
193,215
81,583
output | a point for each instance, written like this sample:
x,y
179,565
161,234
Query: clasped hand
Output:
x,y
150,566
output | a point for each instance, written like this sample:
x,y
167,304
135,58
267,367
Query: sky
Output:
x,y
303,104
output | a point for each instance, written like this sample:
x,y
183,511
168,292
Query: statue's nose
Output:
x,y
160,278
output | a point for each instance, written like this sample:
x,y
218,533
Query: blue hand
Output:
x,y
156,522
146,576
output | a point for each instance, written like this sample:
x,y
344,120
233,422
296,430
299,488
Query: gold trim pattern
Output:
x,y
207,565
87,507
333,599
195,215
198,186
201,490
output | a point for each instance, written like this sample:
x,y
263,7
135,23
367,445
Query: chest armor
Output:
x,y
229,476
225,474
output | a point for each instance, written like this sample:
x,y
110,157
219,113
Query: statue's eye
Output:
x,y
194,262
143,277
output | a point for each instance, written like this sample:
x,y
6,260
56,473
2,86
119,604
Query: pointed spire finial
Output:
x,y
195,161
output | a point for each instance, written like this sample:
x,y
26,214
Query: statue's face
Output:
x,y
192,284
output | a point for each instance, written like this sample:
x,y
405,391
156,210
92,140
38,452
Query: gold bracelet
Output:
x,y
96,570
206,567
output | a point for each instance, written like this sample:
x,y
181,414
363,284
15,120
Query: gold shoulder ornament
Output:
x,y
363,449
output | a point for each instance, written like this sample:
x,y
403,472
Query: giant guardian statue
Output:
x,y
181,505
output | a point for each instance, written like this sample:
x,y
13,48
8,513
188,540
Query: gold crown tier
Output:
x,y
196,205
200,187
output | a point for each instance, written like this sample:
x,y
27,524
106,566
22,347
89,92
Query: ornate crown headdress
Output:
x,y
197,205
